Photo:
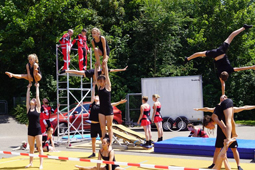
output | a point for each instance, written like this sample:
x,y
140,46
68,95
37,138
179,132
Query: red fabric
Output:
x,y
145,122
64,58
157,117
66,39
146,117
82,43
43,126
81,58
202,133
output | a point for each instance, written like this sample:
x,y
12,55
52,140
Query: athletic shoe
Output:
x,y
247,26
186,60
211,166
92,155
62,72
239,168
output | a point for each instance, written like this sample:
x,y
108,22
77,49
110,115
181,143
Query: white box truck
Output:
x,y
178,97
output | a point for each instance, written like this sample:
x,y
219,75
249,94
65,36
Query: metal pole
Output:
x,y
82,110
67,86
57,85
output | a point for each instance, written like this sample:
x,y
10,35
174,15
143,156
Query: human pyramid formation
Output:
x,y
223,113
101,107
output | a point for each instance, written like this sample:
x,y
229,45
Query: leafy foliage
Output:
x,y
152,37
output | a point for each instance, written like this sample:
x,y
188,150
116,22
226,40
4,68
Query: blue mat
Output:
x,y
87,136
202,146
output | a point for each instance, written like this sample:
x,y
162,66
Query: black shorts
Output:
x,y
89,73
95,130
218,51
219,143
34,131
108,111
107,51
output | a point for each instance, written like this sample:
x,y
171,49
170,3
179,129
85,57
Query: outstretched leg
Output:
x,y
17,76
236,32
195,55
74,72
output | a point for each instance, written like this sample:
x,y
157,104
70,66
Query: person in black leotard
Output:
x,y
34,128
90,73
100,47
95,128
33,70
106,111
216,118
224,69
105,153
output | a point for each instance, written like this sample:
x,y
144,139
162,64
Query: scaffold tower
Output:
x,y
75,123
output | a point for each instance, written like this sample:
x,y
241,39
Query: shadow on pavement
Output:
x,y
4,118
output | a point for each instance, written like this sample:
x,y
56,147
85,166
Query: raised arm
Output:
x,y
96,75
38,102
28,97
118,70
141,114
239,109
222,86
119,102
93,93
204,109
107,78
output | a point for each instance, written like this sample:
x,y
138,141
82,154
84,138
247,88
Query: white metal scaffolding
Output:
x,y
64,94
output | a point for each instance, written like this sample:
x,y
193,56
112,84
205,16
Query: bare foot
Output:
x,y
229,142
9,74
234,136
29,165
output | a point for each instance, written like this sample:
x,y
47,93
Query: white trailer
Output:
x,y
178,97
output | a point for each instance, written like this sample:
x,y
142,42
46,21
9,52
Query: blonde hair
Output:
x,y
35,57
156,96
97,30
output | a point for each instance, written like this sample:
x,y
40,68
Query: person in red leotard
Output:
x,y
196,132
82,49
156,117
47,140
46,111
145,120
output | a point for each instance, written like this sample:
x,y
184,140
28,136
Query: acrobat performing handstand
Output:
x,y
224,69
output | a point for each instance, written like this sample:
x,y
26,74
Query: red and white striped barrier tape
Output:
x,y
99,161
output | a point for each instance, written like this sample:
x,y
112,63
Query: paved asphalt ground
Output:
x,y
12,134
